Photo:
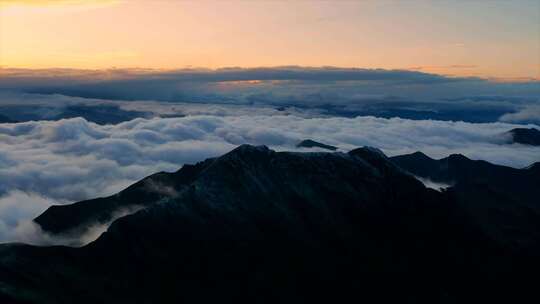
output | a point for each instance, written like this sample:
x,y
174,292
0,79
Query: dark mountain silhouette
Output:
x,y
258,226
458,169
506,200
308,143
525,136
77,217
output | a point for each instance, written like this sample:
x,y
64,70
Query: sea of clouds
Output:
x,y
83,134
58,162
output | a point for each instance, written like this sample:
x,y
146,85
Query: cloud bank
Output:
x,y
106,129
337,91
57,162
73,159
527,114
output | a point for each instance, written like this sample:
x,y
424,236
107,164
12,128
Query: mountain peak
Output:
x,y
245,152
252,218
309,143
368,149
247,148
420,155
415,156
457,157
373,156
526,136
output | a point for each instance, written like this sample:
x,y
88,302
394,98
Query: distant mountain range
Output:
x,y
259,226
308,143
505,200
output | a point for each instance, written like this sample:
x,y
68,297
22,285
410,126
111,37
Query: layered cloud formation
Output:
x,y
44,162
73,159
529,113
338,91
107,129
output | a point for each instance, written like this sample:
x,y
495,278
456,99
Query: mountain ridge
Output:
x,y
265,226
309,143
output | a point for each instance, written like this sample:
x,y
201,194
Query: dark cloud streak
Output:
x,y
336,91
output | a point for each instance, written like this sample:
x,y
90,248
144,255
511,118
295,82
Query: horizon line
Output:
x,y
202,69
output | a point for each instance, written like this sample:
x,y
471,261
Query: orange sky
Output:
x,y
495,39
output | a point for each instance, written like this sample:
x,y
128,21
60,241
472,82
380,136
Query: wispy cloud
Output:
x,y
439,67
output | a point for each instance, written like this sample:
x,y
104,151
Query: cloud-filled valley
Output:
x,y
68,135
48,154
72,159
269,151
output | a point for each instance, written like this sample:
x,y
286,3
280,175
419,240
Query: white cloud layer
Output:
x,y
72,159
530,114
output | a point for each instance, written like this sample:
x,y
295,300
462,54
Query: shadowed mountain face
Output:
x,y
525,136
506,201
256,225
77,217
457,169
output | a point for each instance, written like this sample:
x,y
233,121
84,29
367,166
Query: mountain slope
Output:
x,y
75,218
456,168
260,226
504,202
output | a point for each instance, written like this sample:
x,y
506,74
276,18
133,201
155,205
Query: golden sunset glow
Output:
x,y
460,39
